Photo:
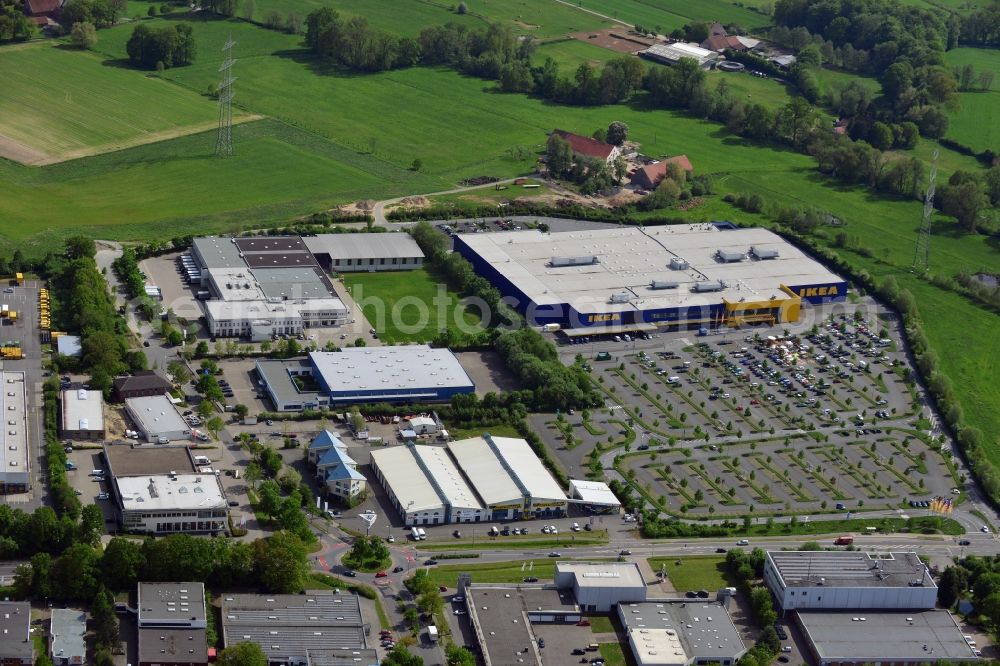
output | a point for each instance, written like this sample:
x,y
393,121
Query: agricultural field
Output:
x,y
569,54
672,14
768,92
81,105
540,18
977,123
409,306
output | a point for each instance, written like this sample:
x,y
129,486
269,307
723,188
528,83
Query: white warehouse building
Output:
x,y
157,419
849,580
600,586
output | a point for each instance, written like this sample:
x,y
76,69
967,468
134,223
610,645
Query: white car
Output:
x,y
459,611
458,599
103,496
546,530
743,542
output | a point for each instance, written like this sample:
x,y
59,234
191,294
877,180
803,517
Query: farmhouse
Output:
x,y
82,414
587,147
344,253
41,11
637,279
649,176
671,54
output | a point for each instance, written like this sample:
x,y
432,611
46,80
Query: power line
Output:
x,y
921,253
224,140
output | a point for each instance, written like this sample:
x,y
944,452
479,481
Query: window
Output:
x,y
394,260
381,261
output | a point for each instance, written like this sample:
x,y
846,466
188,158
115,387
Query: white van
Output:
x,y
673,380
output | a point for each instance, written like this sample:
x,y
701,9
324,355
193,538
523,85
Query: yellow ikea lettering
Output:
x,y
603,317
818,291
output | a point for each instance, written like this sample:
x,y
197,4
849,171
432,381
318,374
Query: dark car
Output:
x,y
720,550
530,579
783,659
430,563
233,503
397,570
350,574
964,542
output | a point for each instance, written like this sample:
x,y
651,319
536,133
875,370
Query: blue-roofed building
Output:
x,y
335,467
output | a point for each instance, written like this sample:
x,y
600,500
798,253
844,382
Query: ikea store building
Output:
x,y
638,278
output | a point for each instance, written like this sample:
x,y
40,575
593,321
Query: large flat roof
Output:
x,y
15,630
849,569
155,413
257,309
162,491
292,283
704,628
504,469
161,645
82,410
275,374
424,477
593,492
270,244
501,612
885,636
177,602
386,369
334,657
629,259
603,574
146,460
69,632
218,252
364,245
14,435
291,624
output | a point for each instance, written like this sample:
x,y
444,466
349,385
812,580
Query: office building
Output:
x,y
82,415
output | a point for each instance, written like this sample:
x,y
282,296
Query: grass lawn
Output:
x,y
81,103
543,568
501,430
612,653
601,624
408,306
484,542
977,124
768,92
542,18
571,53
671,14
694,573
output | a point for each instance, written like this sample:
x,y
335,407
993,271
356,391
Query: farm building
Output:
x,y
345,253
157,419
588,147
14,459
16,645
898,637
142,384
636,279
848,580
42,11
426,486
649,176
82,414
508,476
671,54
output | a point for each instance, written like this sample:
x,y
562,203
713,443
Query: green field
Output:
x,y
753,89
671,14
494,572
82,103
694,573
541,18
977,124
613,654
571,53
409,306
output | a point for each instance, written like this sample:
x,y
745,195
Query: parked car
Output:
x,y
396,570
530,579
382,574
555,553
350,574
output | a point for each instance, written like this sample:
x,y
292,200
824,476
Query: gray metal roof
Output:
x,y
15,637
290,283
705,629
509,642
155,414
82,410
69,631
849,569
160,645
146,460
364,245
275,375
865,636
217,252
173,602
285,625
386,369
342,658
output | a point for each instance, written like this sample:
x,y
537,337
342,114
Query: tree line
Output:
x,y
14,24
977,579
161,48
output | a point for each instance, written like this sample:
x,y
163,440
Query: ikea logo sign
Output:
x,y
599,318
811,292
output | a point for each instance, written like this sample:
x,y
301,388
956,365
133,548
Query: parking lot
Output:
x,y
822,421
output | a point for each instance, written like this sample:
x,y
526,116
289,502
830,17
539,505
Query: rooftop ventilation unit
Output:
x,y
729,256
709,285
678,264
587,260
663,284
620,297
763,253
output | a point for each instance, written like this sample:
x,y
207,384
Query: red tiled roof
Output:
x,y
584,145
651,174
723,42
717,29
40,7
